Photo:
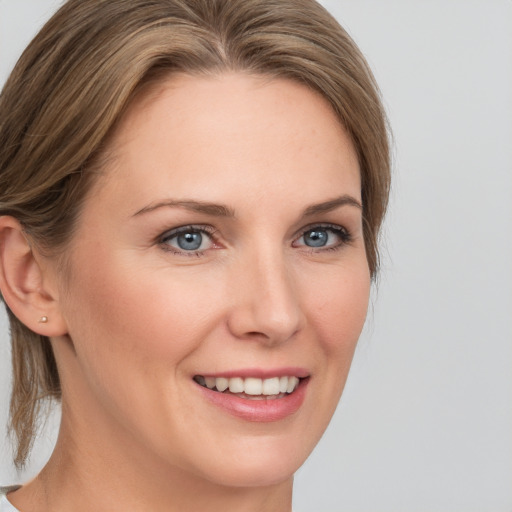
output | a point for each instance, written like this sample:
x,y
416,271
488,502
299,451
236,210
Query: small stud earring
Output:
x,y
43,320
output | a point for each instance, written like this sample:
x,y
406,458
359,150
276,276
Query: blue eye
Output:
x,y
316,238
187,239
328,237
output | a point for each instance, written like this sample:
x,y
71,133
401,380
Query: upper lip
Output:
x,y
260,373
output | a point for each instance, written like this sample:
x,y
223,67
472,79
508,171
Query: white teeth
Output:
x,y
236,385
292,384
210,382
283,384
221,384
252,386
271,386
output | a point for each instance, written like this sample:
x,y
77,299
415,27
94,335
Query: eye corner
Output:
x,y
189,240
323,237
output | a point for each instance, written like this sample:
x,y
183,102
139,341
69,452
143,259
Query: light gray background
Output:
x,y
426,420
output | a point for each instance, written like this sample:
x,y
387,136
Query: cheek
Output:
x,y
338,312
336,307
127,316
336,316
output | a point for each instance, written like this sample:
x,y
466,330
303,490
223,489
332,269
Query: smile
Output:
x,y
251,388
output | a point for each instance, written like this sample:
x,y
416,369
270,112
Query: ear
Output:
x,y
26,284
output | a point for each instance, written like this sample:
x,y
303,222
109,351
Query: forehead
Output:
x,y
190,133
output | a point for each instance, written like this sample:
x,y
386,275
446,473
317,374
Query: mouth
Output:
x,y
251,388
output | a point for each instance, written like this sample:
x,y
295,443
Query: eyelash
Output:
x,y
342,233
174,233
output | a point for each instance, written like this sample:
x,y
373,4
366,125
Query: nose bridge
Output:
x,y
268,305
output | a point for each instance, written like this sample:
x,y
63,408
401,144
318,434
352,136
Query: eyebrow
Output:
x,y
216,210
332,204
220,210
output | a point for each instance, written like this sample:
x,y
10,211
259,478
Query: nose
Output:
x,y
266,302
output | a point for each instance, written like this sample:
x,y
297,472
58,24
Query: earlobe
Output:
x,y
24,282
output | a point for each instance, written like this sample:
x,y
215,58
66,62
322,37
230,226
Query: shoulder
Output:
x,y
7,489
5,506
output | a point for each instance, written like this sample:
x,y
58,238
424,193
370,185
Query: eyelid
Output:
x,y
202,228
341,231
174,232
324,225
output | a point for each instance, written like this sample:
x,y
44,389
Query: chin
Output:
x,y
264,472
257,462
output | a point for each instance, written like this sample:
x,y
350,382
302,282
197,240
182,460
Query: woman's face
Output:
x,y
223,246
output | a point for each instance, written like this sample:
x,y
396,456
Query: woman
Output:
x,y
191,192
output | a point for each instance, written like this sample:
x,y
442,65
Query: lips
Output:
x,y
256,396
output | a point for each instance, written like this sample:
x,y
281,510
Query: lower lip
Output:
x,y
258,410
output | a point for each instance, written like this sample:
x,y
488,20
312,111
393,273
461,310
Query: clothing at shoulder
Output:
x,y
5,506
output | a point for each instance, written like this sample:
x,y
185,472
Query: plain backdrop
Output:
x,y
425,423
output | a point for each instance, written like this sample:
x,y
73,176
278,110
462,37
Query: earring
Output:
x,y
43,320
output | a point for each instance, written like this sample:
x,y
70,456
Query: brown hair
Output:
x,y
79,75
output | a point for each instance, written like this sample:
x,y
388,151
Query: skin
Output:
x,y
140,317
